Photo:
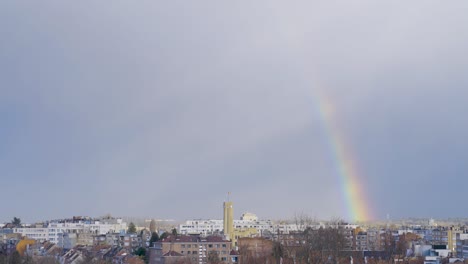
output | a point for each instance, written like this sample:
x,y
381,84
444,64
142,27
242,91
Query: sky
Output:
x,y
160,108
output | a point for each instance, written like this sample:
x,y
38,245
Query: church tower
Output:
x,y
228,220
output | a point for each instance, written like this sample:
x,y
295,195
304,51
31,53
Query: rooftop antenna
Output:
x,y
229,196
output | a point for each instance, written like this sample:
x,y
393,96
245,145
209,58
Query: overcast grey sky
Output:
x,y
159,108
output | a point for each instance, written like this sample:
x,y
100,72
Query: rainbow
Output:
x,y
353,192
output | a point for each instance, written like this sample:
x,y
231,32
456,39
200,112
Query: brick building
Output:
x,y
191,249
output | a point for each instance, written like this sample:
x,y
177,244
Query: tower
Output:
x,y
228,220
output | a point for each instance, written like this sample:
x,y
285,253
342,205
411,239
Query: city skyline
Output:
x,y
351,110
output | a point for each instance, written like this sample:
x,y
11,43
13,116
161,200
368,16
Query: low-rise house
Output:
x,y
72,256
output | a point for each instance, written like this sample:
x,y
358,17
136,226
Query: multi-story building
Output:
x,y
349,238
256,248
119,240
191,249
452,238
201,227
425,234
388,239
360,242
439,236
462,245
464,249
56,230
232,228
373,239
40,234
131,240
215,227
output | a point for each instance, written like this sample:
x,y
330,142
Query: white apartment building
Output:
x,y
203,227
55,231
461,245
215,226
40,234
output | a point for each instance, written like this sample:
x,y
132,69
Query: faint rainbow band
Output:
x,y
357,205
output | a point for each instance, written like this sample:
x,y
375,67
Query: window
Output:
x,y
224,245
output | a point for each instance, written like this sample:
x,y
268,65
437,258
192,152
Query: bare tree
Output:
x,y
213,257
389,245
278,251
303,221
317,245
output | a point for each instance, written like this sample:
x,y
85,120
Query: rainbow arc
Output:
x,y
356,202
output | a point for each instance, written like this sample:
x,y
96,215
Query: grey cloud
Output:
x,y
186,101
